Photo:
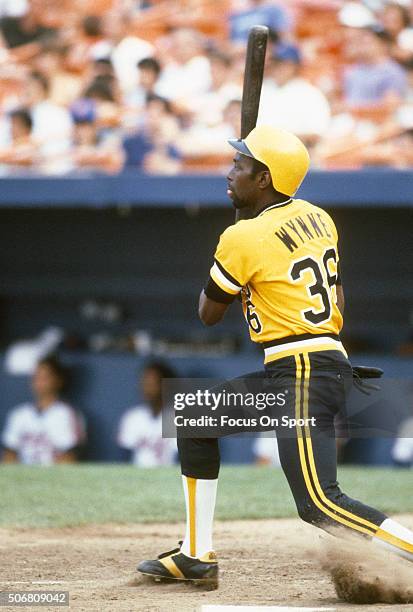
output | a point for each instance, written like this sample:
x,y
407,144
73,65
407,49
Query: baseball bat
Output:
x,y
253,76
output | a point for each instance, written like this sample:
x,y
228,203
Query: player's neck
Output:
x,y
272,200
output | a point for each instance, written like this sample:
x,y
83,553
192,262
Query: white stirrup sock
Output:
x,y
200,498
395,537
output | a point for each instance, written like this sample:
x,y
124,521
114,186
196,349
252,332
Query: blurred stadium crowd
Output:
x,y
154,86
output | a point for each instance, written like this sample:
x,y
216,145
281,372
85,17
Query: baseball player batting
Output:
x,y
284,262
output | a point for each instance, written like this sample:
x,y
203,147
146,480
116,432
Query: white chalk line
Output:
x,y
263,609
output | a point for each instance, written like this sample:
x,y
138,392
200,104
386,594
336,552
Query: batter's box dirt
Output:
x,y
267,563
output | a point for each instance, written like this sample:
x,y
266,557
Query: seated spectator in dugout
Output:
x,y
46,430
140,429
265,449
402,452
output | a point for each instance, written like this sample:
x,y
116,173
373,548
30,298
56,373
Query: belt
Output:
x,y
293,345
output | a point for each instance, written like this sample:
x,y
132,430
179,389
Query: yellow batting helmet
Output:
x,y
282,152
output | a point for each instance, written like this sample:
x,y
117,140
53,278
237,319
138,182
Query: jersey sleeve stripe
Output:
x,y
224,280
214,292
227,274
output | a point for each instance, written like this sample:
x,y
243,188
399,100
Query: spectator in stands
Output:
x,y
208,107
64,86
149,70
93,149
13,8
356,14
152,148
407,105
101,69
375,82
395,20
87,43
20,154
395,150
46,430
188,72
52,125
232,117
140,428
260,12
403,448
25,34
125,49
294,103
200,140
102,88
26,28
374,88
103,92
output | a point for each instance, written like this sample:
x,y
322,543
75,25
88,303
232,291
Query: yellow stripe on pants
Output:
x,y
310,452
377,532
303,462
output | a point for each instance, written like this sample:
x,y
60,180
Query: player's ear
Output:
x,y
264,179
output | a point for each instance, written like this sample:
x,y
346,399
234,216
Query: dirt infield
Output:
x,y
269,562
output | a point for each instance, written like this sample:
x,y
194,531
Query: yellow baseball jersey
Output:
x,y
285,264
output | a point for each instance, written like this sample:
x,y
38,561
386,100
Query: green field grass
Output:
x,y
76,495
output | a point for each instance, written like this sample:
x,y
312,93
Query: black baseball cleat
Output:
x,y
174,565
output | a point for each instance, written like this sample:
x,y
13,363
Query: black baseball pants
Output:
x,y
319,382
